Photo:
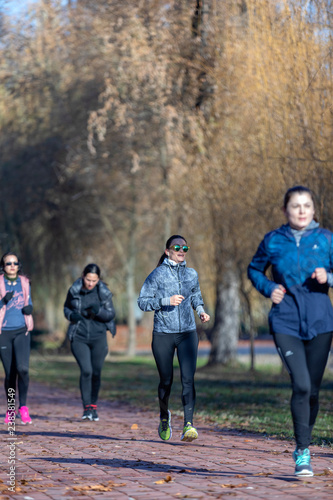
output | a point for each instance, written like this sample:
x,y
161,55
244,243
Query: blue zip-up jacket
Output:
x,y
306,309
167,280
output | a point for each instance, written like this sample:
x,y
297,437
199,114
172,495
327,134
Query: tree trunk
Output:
x,y
131,346
251,326
224,337
130,280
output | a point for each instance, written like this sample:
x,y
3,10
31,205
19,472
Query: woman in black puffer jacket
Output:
x,y
90,310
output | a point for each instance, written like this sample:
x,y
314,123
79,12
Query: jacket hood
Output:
x,y
285,228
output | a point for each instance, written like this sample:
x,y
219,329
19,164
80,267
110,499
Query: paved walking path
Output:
x,y
121,457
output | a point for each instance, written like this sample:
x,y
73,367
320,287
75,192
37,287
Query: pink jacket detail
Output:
x,y
26,293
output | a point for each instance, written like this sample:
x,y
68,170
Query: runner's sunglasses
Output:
x,y
176,248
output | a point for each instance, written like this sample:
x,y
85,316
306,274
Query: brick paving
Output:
x,y
120,457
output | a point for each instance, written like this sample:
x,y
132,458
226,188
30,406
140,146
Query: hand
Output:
x,y
320,275
75,317
204,317
27,309
7,297
278,294
175,300
91,311
94,308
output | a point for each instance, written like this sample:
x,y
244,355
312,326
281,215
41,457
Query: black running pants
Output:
x,y
90,356
15,354
163,347
305,361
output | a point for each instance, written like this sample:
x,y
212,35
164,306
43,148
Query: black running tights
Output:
x,y
305,361
15,354
90,356
164,346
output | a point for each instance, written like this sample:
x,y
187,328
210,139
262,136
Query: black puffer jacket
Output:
x,y
76,301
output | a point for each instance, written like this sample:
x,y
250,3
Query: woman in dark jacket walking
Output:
x,y
172,291
89,309
301,318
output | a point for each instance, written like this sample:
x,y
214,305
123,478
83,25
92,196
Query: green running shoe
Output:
x,y
189,433
303,463
164,429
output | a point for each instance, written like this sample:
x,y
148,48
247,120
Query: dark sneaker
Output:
x,y
303,462
164,429
94,413
189,433
87,414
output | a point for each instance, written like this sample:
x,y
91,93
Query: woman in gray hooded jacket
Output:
x,y
172,291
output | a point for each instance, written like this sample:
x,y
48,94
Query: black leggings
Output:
x,y
163,346
305,361
90,356
15,354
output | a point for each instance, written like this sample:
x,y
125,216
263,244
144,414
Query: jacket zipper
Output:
x,y
302,310
179,290
298,267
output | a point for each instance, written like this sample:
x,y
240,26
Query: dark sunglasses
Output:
x,y
176,248
11,263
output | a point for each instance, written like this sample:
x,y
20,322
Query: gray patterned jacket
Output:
x,y
164,281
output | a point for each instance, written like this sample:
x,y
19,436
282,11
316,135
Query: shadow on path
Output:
x,y
163,468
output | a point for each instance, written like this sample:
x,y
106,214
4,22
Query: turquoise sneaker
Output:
x,y
303,462
164,429
189,433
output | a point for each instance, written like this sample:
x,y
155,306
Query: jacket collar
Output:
x,y
172,263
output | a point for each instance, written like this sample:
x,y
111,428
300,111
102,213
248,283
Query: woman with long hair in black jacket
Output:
x,y
90,310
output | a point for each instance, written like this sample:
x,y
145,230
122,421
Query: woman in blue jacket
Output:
x,y
89,309
172,291
300,254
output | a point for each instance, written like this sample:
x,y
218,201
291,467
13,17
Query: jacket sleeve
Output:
x,y
29,298
106,312
196,297
330,274
147,300
29,305
67,309
257,269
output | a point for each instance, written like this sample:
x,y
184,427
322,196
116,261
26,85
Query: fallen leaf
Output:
x,y
97,487
240,485
167,479
134,426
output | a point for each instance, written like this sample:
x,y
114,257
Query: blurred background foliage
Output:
x,y
125,122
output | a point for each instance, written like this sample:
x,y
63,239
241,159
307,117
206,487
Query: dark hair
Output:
x,y
168,245
2,262
299,190
91,268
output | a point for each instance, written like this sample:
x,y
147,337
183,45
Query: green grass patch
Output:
x,y
231,397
